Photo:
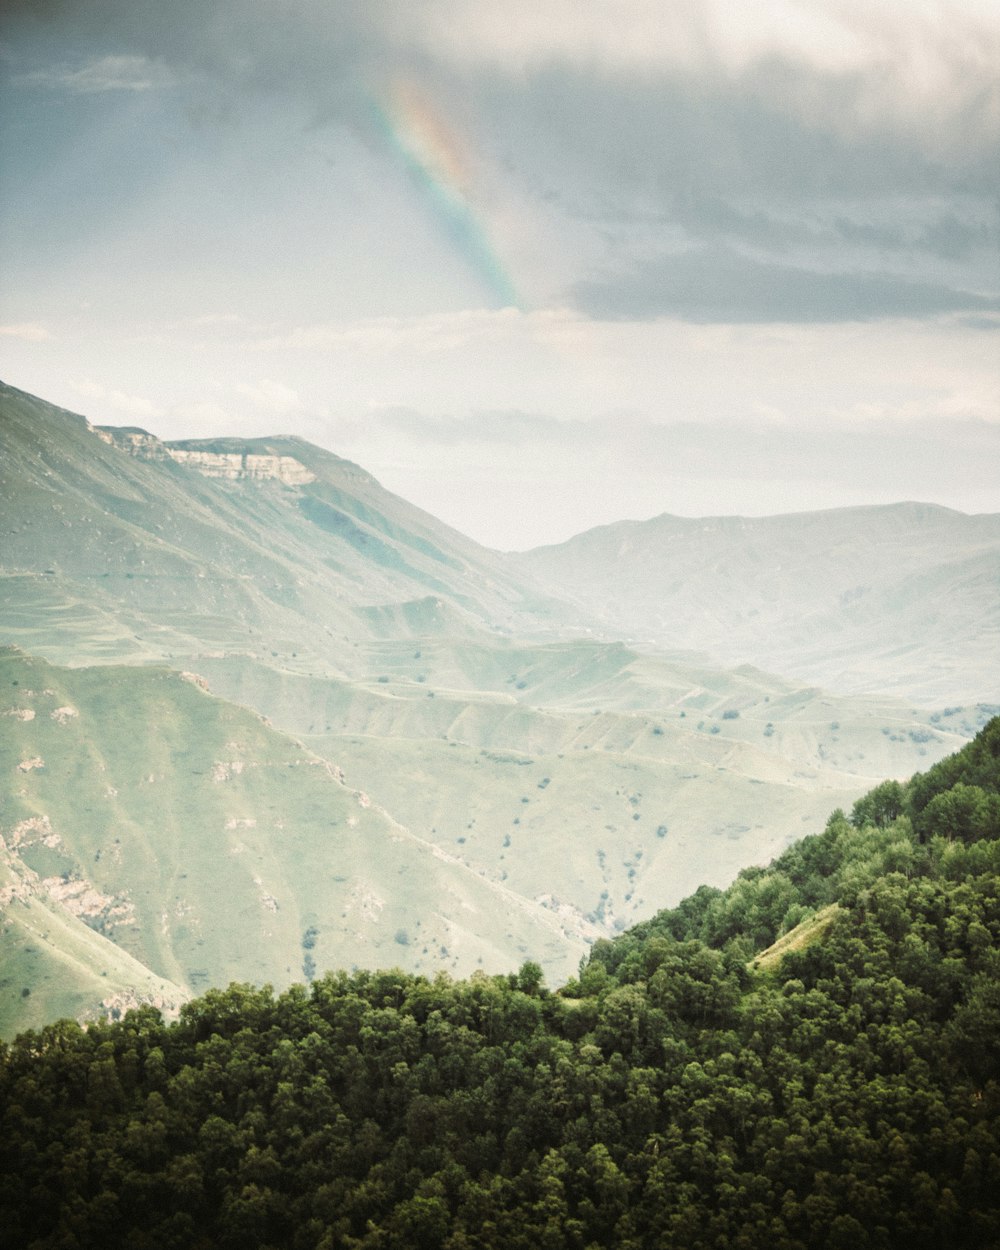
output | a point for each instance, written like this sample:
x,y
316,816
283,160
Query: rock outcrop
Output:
x,y
233,466
133,441
244,466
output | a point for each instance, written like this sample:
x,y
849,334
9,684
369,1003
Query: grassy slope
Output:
x,y
176,561
54,965
357,622
574,777
811,930
206,844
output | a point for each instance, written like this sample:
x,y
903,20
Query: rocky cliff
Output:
x,y
244,466
241,465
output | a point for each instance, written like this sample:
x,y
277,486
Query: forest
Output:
x,y
807,1060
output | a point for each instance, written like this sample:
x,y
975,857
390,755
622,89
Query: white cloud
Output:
x,y
837,36
274,396
202,419
386,335
107,73
216,319
29,331
119,401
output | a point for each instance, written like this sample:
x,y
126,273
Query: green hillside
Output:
x,y
585,774
808,1058
185,842
54,964
204,846
113,549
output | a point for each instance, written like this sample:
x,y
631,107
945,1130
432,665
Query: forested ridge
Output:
x,y
696,1086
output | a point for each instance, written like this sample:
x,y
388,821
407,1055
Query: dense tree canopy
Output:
x,y
697,1086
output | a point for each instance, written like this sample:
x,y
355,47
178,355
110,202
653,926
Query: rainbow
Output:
x,y
433,155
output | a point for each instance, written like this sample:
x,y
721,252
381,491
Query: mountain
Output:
x,y
903,599
119,546
530,784
145,819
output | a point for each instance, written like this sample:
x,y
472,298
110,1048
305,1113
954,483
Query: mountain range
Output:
x,y
903,599
260,717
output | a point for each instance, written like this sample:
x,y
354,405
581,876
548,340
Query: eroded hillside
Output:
x,y
208,847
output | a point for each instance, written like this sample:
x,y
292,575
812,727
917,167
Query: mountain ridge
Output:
x,y
909,589
532,762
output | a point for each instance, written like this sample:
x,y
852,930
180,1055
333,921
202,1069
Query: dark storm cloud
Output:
x,y
847,214
712,134
593,130
316,52
792,190
722,285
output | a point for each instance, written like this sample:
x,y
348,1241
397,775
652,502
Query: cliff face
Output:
x,y
245,466
233,466
133,441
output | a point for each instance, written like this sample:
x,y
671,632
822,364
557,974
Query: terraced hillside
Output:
x,y
588,776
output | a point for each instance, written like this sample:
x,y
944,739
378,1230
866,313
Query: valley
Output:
x,y
312,727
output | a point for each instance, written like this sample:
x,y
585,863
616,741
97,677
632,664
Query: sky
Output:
x,y
538,266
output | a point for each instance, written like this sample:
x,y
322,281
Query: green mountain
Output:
x,y
115,549
131,797
532,787
808,1058
608,779
904,599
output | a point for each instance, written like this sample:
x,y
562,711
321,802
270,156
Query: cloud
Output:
x,y
987,323
216,319
722,285
511,428
792,163
107,73
29,331
432,333
954,239
828,35
926,68
119,401
203,418
274,396
859,142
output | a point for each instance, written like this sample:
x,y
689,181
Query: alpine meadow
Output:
x,y
500,625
